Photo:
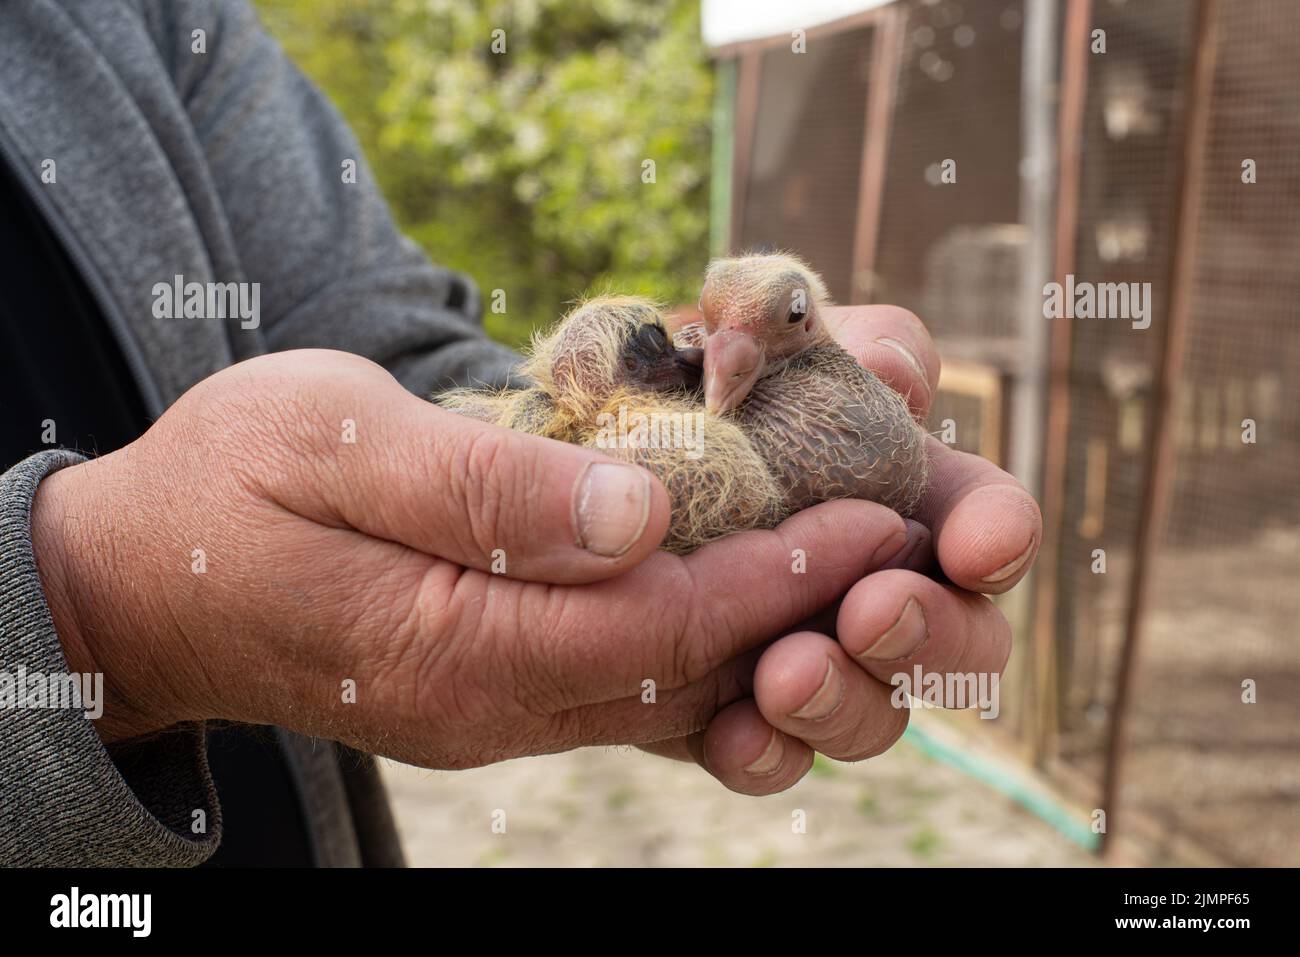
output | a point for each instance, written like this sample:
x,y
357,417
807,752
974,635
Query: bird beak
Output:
x,y
733,361
692,356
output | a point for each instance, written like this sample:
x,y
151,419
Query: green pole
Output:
x,y
724,113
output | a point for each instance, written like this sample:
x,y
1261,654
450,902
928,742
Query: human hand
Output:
x,y
244,560
814,693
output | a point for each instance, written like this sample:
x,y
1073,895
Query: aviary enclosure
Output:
x,y
956,158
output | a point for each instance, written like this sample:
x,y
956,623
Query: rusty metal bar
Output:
x,y
886,54
748,70
1161,419
1074,92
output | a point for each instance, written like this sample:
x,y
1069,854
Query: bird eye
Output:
x,y
653,338
800,306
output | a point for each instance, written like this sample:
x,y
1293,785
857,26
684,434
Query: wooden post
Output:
x,y
1161,418
886,54
749,67
1074,92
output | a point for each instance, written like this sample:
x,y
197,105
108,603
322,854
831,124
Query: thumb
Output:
x,y
482,496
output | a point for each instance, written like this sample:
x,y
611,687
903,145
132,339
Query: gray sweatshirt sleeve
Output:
x,y
307,220
64,799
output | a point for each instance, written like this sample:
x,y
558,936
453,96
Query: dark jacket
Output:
x,y
220,166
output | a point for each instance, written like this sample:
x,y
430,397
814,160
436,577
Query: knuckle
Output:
x,y
425,657
999,637
718,691
568,729
689,710
475,476
911,322
548,627
911,330
269,429
690,634
876,740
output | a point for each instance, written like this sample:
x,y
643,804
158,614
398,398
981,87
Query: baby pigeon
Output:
x,y
826,427
608,377
605,348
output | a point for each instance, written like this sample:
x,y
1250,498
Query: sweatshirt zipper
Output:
x,y
131,352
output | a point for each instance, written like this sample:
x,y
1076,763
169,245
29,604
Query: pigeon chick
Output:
x,y
603,347
608,377
826,427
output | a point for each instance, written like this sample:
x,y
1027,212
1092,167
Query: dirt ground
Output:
x,y
622,807
1203,763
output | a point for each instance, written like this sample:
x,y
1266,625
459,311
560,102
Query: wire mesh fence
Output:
x,y
804,165
1222,624
1213,750
1135,105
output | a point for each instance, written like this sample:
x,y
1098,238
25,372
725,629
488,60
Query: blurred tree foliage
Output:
x,y
524,169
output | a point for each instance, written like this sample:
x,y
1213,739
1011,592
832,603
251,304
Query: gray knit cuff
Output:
x,y
64,799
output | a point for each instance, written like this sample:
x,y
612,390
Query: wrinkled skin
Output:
x,y
373,562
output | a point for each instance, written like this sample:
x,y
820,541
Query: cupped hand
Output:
x,y
299,541
828,689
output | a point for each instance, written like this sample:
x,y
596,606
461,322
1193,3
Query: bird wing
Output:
x,y
830,429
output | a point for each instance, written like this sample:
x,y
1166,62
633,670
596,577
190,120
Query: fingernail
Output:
x,y
918,541
901,348
770,759
1010,568
611,505
889,548
903,638
826,700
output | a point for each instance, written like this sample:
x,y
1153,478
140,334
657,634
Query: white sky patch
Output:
x,y
731,21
